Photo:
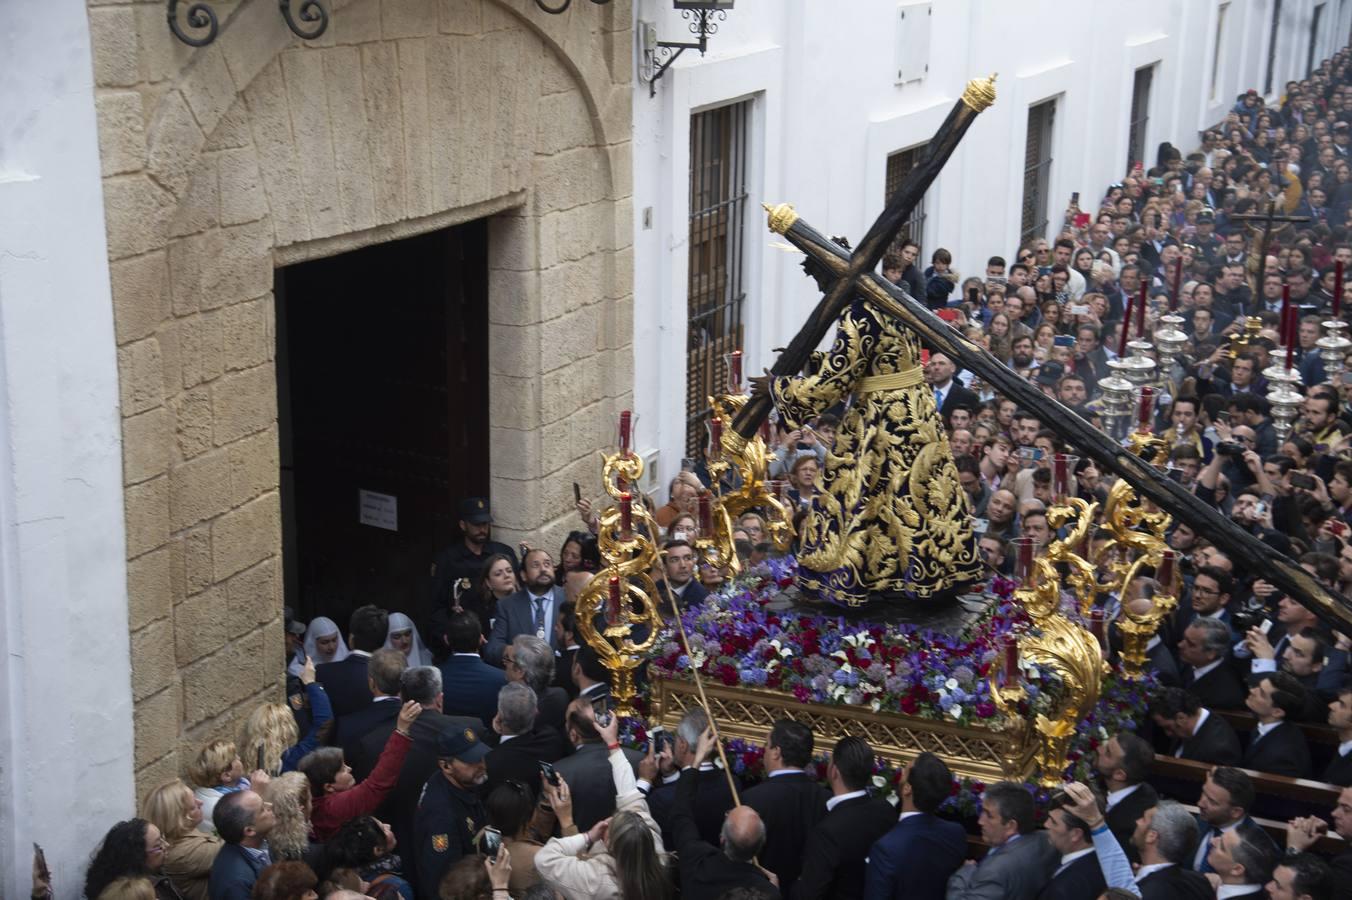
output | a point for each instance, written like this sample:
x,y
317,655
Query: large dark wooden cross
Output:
x,y
1268,219
853,273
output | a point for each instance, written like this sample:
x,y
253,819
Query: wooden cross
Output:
x,y
1267,219
978,95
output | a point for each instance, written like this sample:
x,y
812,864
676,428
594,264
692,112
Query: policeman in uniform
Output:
x,y
460,564
450,813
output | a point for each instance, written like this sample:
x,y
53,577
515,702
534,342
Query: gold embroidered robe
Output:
x,y
890,516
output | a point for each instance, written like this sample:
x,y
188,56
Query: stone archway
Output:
x,y
407,116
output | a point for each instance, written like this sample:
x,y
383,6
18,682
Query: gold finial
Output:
x,y
980,93
782,217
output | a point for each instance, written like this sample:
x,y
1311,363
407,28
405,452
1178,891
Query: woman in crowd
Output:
x,y
367,845
497,581
176,812
998,329
132,848
683,527
272,726
1043,336
286,881
579,553
803,480
478,878
290,838
404,637
217,771
510,807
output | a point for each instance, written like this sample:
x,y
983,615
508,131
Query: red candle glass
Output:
x,y
715,437
1060,476
1145,412
1096,626
1164,572
1140,312
735,372
1282,325
626,423
1292,331
1178,279
706,515
1011,661
626,516
1023,561
613,601
1126,327
1337,287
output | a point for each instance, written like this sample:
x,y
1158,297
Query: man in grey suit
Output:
x,y
587,771
531,610
1019,862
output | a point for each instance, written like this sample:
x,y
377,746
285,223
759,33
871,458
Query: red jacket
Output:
x,y
329,812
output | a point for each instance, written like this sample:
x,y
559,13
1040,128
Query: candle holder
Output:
x,y
1116,399
733,363
624,436
749,463
1170,339
1140,368
1056,643
1286,402
1333,347
622,596
1240,341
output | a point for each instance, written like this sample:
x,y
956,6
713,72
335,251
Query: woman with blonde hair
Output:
x,y
130,887
176,812
289,795
215,772
273,727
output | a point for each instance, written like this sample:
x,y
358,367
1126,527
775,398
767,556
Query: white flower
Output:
x,y
879,781
841,654
876,704
955,711
951,684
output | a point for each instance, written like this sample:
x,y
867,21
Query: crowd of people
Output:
x,y
477,756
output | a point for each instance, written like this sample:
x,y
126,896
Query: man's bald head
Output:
x,y
1028,295
743,834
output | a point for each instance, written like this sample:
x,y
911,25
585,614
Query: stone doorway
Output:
x,y
382,396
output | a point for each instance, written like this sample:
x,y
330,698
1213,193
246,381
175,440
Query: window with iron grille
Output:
x,y
1037,170
899,164
1140,114
716,291
1272,45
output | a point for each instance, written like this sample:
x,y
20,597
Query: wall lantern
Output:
x,y
308,22
703,17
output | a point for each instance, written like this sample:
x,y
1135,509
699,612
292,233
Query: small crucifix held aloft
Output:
x,y
1268,219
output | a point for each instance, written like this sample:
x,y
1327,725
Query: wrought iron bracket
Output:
x,y
200,16
703,23
200,25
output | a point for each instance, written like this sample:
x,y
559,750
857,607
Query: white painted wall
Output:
x,y
65,697
828,112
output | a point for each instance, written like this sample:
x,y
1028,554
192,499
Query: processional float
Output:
x,y
618,612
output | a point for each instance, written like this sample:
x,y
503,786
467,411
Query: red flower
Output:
x,y
728,675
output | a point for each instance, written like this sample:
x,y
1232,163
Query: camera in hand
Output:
x,y
1250,614
1230,448
549,773
601,711
491,842
1302,480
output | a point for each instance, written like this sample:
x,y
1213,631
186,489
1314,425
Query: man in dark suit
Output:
x,y
1339,769
243,821
531,610
915,859
587,770
1078,874
789,798
1204,653
523,743
1227,797
530,661
713,796
707,871
1019,861
1277,746
1123,762
1243,865
565,638
1304,832
346,681
591,676
680,571
470,685
384,669
1198,733
837,849
1164,838
949,393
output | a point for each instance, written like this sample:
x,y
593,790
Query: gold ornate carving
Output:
x,y
782,217
979,93
748,713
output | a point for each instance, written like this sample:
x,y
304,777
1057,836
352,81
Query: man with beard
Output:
x,y
530,610
450,813
465,558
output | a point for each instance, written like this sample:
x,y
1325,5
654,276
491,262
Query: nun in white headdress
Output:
x,y
323,643
403,636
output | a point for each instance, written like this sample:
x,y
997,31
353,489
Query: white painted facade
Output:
x,y
828,110
65,688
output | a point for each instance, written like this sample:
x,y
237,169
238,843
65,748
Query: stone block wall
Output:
x,y
259,150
